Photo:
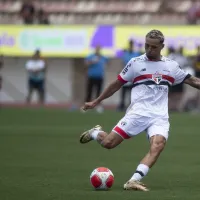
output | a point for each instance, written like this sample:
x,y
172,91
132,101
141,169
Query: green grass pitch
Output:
x,y
41,158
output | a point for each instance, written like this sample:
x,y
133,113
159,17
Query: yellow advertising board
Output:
x,y
61,41
80,40
175,36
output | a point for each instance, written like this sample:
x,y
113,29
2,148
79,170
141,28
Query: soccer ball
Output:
x,y
102,178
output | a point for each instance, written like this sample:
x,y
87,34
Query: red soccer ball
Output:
x,y
102,178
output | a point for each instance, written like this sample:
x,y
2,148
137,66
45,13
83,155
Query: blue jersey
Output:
x,y
97,69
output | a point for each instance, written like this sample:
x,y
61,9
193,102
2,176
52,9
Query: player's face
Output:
x,y
153,48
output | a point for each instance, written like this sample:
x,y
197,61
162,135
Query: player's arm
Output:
x,y
125,76
193,81
110,90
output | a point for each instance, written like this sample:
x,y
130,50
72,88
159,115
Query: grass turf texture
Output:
x,y
41,158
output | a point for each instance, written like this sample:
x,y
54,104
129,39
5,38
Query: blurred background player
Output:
x,y
30,14
1,78
1,66
42,17
176,92
95,64
27,12
126,89
36,68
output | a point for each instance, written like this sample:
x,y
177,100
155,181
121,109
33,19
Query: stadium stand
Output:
x,y
107,12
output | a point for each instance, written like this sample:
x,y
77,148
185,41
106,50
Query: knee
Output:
x,y
157,147
108,144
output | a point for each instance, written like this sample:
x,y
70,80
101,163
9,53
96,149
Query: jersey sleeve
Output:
x,y
180,75
127,74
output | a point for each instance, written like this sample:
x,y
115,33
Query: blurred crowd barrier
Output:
x,y
65,80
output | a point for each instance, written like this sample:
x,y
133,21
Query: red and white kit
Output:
x,y
148,110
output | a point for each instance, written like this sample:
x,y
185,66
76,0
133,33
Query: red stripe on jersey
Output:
x,y
121,79
147,76
168,78
121,132
142,77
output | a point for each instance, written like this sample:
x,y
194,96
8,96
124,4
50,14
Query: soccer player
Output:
x,y
36,68
151,75
1,66
126,89
96,64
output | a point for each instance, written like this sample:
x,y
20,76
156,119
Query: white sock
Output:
x,y
141,171
94,134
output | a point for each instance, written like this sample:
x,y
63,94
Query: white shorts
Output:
x,y
132,125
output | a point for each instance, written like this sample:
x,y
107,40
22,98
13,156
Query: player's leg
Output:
x,y
89,89
30,91
110,141
127,127
1,82
98,87
41,92
157,144
106,140
120,132
158,134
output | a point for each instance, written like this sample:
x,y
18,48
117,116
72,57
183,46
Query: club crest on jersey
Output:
x,y
157,77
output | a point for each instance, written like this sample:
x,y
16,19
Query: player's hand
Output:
x,y
89,105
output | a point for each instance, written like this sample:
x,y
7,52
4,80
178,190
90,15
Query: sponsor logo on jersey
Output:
x,y
123,123
143,70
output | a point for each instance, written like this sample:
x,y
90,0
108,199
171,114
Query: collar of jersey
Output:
x,y
162,59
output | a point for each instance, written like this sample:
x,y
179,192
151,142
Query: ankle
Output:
x,y
140,172
94,134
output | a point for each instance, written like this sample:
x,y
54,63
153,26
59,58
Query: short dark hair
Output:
x,y
156,34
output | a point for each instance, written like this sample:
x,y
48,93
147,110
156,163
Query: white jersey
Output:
x,y
151,82
35,65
